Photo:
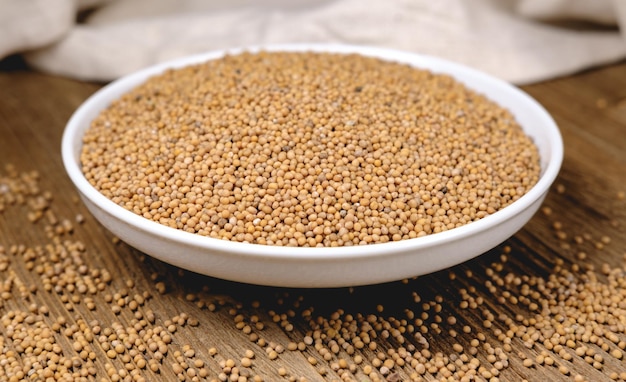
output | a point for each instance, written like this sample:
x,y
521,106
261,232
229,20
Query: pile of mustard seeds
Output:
x,y
308,149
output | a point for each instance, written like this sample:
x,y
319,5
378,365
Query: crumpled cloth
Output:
x,y
521,41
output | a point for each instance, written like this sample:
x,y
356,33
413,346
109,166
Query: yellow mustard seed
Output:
x,y
617,353
246,362
281,144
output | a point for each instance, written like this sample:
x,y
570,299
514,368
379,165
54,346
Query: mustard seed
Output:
x,y
246,362
616,353
295,147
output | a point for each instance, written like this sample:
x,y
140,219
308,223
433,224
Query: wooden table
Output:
x,y
548,304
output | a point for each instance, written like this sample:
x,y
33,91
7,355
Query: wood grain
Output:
x,y
590,109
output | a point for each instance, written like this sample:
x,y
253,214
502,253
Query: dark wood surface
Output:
x,y
560,278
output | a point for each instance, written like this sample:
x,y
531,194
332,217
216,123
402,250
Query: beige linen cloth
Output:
x,y
521,41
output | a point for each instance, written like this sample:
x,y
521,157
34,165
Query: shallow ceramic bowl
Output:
x,y
323,267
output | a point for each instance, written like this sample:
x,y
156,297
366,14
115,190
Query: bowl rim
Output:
x,y
72,138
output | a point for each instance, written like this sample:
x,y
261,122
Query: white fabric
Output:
x,y
516,40
33,23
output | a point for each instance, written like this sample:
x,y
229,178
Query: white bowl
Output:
x,y
322,267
